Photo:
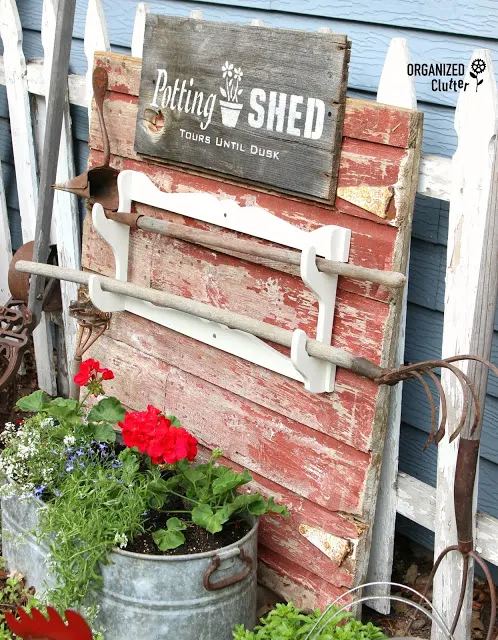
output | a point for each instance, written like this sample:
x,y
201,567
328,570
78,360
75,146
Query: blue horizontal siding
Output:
x,y
428,15
370,43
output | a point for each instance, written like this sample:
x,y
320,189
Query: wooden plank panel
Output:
x,y
300,446
285,537
292,582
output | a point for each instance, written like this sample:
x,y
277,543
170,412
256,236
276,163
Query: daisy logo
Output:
x,y
477,67
230,107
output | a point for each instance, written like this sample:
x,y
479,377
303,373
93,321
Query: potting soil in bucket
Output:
x,y
199,596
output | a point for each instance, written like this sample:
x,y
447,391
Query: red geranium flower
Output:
x,y
88,375
152,433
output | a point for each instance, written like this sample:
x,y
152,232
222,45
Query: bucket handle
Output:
x,y
226,582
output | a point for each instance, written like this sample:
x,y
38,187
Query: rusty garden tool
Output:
x,y
100,183
469,446
465,472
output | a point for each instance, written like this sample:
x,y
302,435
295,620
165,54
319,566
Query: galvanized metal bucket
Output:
x,y
200,596
190,597
20,548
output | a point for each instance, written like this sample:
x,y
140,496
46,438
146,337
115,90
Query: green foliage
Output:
x,y
13,594
37,401
209,492
71,414
102,505
287,622
172,537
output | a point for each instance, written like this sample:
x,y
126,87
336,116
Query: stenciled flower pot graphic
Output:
x,y
230,108
230,112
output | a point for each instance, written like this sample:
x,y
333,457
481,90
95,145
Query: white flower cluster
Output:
x,y
121,540
24,461
69,440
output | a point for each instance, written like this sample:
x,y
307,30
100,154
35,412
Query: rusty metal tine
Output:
x,y
444,408
92,338
489,364
403,372
440,558
492,591
477,407
428,393
463,589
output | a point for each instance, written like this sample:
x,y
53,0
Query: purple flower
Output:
x,y
82,465
116,464
69,467
39,490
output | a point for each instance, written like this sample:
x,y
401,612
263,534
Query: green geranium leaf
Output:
x,y
175,524
251,502
281,509
195,474
65,410
104,432
159,486
166,540
37,401
203,516
230,480
174,421
107,410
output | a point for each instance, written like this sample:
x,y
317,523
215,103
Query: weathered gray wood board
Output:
x,y
264,105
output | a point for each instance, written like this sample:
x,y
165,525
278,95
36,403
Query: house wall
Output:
x,y
436,32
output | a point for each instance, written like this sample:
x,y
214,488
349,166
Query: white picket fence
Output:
x,y
464,182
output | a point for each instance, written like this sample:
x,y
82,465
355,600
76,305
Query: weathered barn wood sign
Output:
x,y
261,104
320,454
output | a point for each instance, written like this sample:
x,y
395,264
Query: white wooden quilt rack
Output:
x,y
330,242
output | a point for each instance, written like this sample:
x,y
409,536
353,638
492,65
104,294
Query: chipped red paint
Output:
x,y
312,453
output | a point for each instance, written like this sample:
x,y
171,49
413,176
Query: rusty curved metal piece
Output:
x,y
406,372
100,183
19,282
444,409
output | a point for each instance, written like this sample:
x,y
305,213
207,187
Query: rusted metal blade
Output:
x,y
100,183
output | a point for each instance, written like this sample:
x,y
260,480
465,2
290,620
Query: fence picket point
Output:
x,y
137,40
25,165
96,39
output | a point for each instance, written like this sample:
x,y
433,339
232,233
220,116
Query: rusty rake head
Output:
x,y
422,370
